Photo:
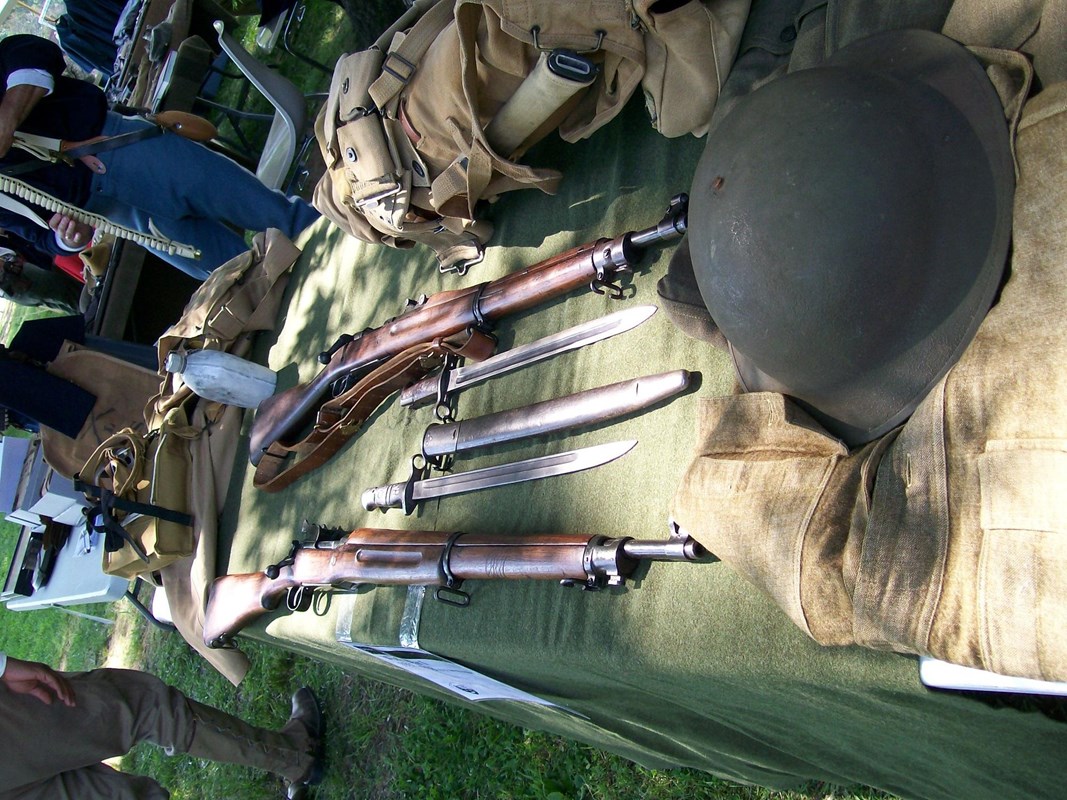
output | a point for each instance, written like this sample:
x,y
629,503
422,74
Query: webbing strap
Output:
x,y
111,500
400,63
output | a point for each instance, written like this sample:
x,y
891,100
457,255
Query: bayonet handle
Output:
x,y
382,498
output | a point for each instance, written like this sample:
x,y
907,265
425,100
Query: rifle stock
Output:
x,y
248,597
429,558
283,417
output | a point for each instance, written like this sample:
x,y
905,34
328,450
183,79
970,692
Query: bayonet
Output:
x,y
417,487
592,406
288,434
444,386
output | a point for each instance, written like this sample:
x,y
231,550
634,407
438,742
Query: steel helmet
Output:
x,y
849,226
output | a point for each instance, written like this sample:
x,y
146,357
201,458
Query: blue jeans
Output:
x,y
191,194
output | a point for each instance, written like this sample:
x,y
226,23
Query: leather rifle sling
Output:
x,y
341,417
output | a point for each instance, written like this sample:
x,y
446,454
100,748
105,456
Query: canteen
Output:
x,y
223,377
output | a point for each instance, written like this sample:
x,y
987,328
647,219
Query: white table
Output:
x,y
77,577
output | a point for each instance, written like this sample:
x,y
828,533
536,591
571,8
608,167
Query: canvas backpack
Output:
x,y
437,115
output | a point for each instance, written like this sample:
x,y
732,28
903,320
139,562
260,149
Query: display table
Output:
x,y
691,666
77,577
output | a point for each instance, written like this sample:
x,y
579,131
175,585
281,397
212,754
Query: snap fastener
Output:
x,y
344,87
788,34
416,167
350,154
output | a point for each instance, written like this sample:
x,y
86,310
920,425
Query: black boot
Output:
x,y
307,712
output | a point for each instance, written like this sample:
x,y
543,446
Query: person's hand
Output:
x,y
74,235
37,680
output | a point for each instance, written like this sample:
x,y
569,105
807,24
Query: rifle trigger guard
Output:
x,y
299,598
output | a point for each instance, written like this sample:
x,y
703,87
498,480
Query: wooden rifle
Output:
x,y
336,560
361,371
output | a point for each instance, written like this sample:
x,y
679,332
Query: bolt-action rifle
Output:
x,y
428,558
361,371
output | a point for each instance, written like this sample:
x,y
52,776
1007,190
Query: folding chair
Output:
x,y
290,132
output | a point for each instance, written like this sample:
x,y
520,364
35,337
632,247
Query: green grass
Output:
x,y
324,34
13,315
383,743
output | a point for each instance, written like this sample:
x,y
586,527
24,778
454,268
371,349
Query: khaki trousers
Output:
x,y
54,752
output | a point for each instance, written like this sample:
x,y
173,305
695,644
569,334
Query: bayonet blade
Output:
x,y
425,391
530,469
406,495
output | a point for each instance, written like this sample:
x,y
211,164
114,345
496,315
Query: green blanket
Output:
x,y
690,666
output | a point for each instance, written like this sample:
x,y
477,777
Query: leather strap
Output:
x,y
103,144
340,418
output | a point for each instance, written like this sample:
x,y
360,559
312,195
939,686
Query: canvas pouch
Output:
x,y
689,48
140,483
121,391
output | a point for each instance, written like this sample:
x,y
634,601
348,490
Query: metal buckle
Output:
x,y
535,32
377,197
404,79
460,267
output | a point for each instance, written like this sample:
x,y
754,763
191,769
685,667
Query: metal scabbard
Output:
x,y
562,413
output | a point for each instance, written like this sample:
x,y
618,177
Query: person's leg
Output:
x,y
116,709
217,242
219,736
174,178
96,782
